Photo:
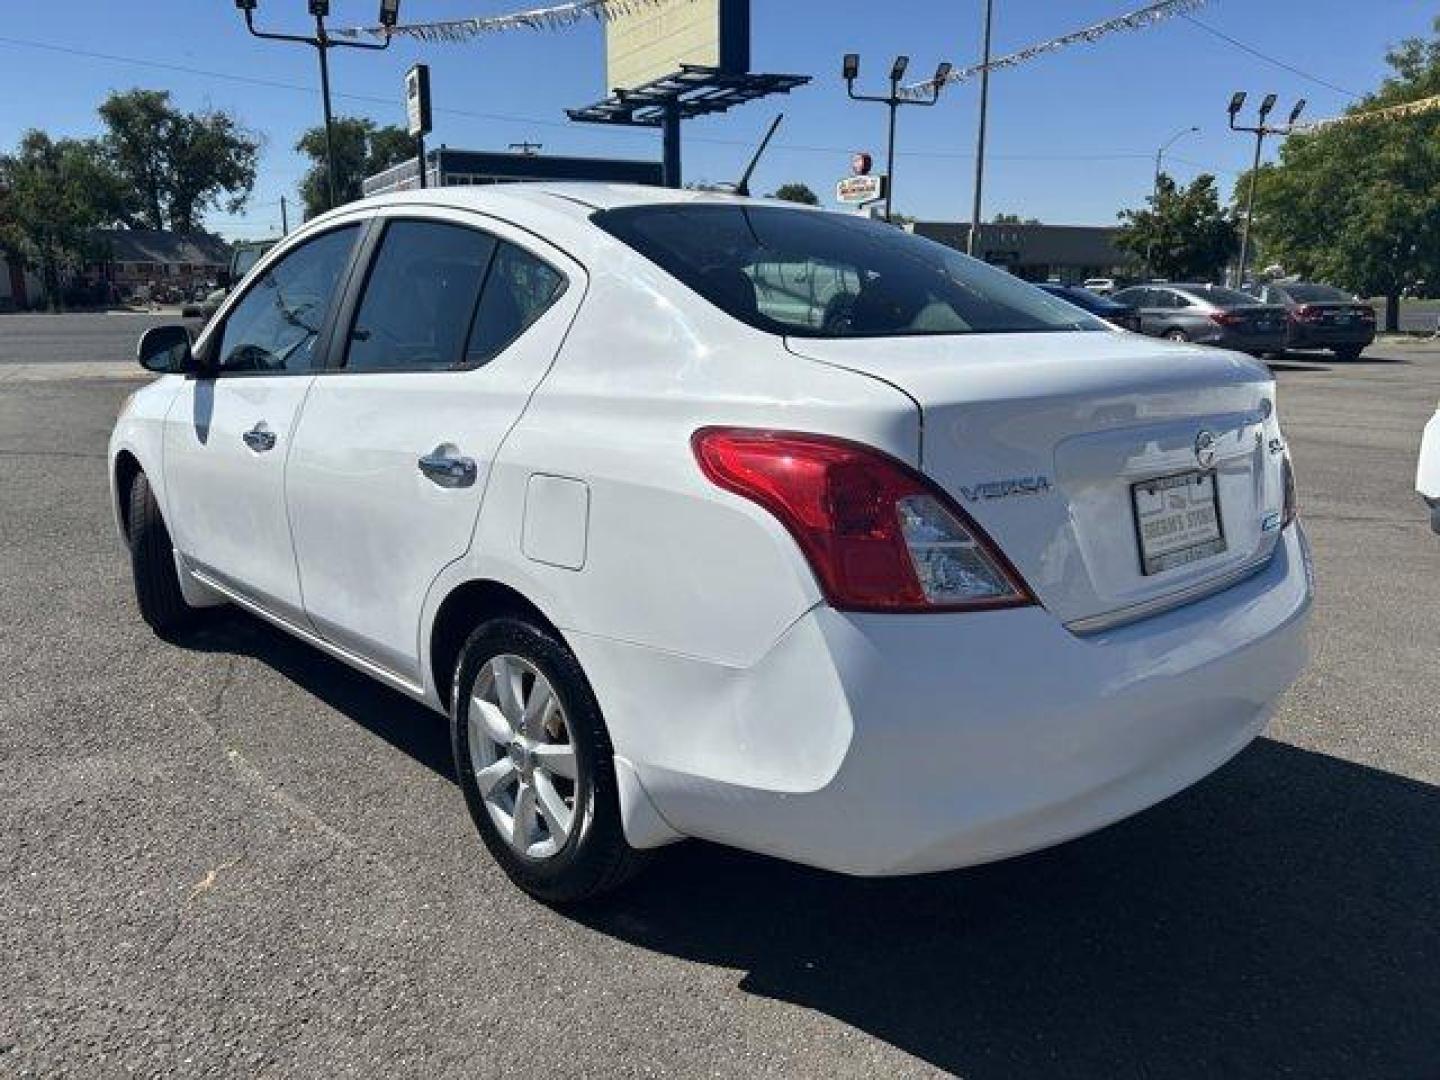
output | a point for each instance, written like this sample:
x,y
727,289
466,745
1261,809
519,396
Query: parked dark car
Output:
x,y
1322,317
1121,315
1208,314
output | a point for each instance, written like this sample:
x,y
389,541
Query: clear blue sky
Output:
x,y
1073,135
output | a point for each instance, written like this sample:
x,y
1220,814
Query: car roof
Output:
x,y
582,198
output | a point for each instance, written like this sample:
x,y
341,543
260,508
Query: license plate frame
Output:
x,y
1160,550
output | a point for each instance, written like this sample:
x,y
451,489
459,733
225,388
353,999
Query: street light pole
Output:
x,y
894,99
322,43
1260,130
973,241
1160,154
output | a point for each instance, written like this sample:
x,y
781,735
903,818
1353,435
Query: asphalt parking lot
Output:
x,y
234,856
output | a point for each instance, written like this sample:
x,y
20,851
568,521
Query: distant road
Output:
x,y
89,337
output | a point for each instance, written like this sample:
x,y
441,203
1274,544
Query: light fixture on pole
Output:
x,y
1160,153
1259,130
850,71
322,43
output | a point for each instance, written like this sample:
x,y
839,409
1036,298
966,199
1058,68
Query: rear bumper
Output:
x,y
1246,342
1302,336
874,744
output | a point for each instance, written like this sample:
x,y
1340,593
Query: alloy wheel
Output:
x,y
523,756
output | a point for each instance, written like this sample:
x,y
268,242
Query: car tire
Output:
x,y
1175,335
152,564
1348,352
553,860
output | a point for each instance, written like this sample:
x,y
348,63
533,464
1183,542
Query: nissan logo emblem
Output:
x,y
1205,449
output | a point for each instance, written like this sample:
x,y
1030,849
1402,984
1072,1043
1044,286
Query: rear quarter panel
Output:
x,y
671,562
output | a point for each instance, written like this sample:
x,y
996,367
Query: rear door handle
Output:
x,y
446,468
259,438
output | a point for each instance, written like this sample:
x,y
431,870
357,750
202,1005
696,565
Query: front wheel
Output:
x,y
152,564
536,765
1348,352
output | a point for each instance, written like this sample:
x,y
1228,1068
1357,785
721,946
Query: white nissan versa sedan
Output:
x,y
704,516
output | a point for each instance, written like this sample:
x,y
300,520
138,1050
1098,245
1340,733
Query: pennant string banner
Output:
x,y
550,17
1389,112
1138,19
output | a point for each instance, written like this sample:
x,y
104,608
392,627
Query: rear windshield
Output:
x,y
812,274
1215,294
1316,294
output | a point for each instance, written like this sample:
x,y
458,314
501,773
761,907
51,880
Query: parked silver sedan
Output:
x,y
1208,314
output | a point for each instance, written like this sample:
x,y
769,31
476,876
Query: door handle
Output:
x,y
259,438
444,467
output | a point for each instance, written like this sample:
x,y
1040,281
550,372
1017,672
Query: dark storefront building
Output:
x,y
1065,253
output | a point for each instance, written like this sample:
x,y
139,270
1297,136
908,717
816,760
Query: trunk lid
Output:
x,y
1042,437
1255,319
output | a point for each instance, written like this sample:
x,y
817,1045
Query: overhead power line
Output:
x,y
374,99
1316,79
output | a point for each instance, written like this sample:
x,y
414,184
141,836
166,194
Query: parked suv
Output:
x,y
704,516
1322,317
1208,314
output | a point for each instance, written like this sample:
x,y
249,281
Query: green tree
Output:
x,y
1358,204
53,195
177,165
1185,234
797,193
361,149
1013,219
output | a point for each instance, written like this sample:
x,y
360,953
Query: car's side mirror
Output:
x,y
166,350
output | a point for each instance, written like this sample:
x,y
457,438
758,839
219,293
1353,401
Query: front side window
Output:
x,y
276,324
420,298
813,274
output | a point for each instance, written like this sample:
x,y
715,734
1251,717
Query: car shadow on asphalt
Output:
x,y
1278,918
403,723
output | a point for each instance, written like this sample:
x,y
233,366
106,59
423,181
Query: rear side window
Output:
x,y
519,289
445,297
274,326
420,299
813,274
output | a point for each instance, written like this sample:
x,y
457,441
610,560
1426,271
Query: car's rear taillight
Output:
x,y
1305,313
1226,318
1366,313
1291,506
878,535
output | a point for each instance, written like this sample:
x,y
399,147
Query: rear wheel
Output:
x,y
152,564
1176,335
1348,352
536,765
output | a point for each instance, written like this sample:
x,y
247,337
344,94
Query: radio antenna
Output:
x,y
743,187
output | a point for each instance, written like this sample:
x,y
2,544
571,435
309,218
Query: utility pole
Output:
x,y
284,218
1237,100
850,71
974,241
322,43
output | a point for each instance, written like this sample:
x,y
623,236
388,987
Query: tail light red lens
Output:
x,y
878,535
1367,314
1226,318
1305,313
